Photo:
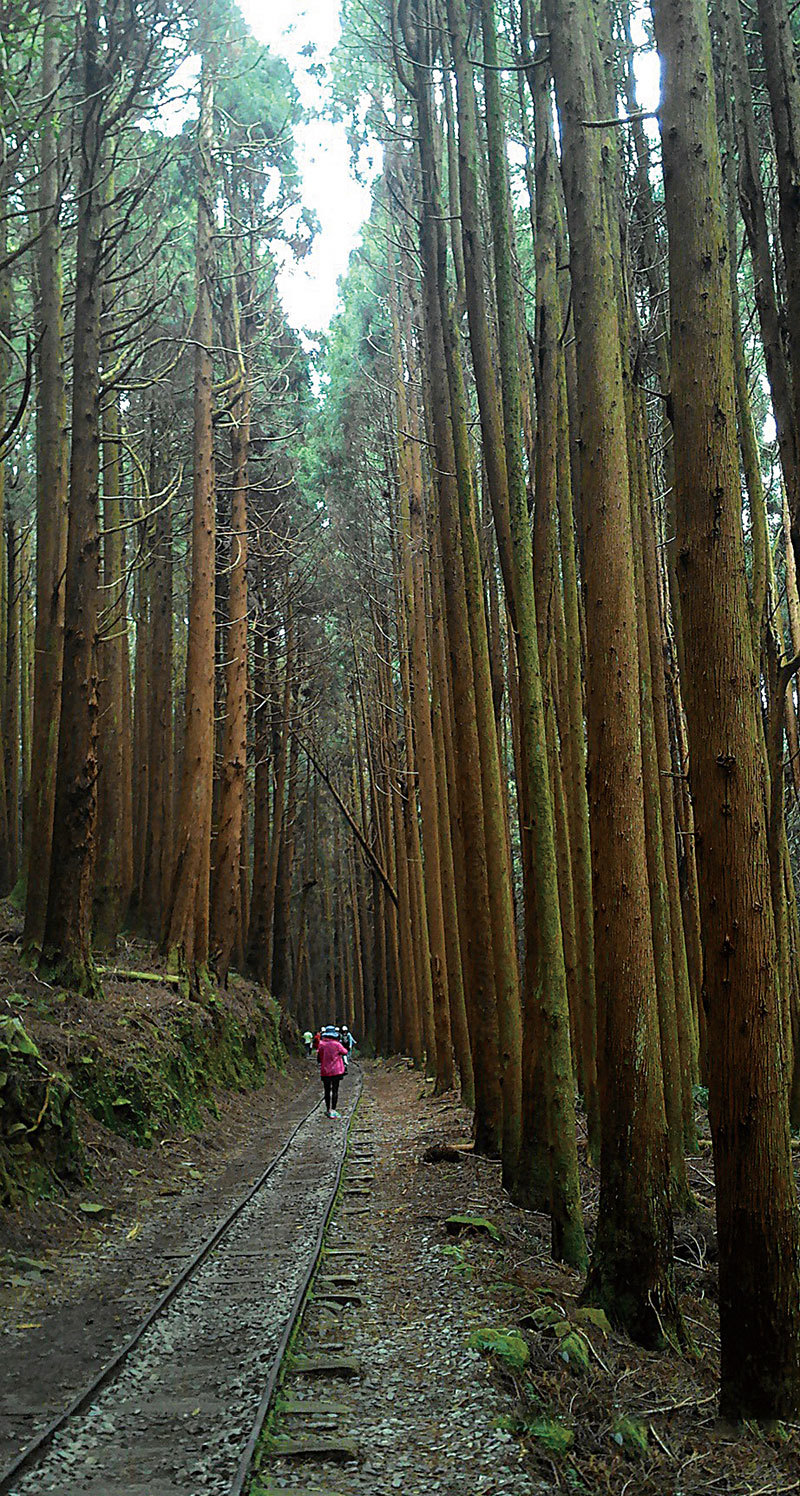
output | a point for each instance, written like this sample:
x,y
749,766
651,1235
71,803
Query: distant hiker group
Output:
x,y
333,1046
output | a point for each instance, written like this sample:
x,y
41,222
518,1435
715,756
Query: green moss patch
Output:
x,y
39,1144
631,1436
168,1075
473,1226
506,1346
588,1315
545,1317
573,1350
554,1436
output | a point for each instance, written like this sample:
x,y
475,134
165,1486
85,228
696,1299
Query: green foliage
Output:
x,y
39,1144
460,1264
14,1040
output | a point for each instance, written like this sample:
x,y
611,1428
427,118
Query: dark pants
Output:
x,y
331,1084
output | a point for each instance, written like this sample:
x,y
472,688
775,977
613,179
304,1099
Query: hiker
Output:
x,y
346,1038
316,1039
331,1055
308,1040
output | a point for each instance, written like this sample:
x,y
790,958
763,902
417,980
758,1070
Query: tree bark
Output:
x,y
114,868
160,751
67,940
631,1271
757,1216
226,907
479,972
187,913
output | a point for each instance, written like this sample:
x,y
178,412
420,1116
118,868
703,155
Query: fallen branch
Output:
x,y
116,972
354,827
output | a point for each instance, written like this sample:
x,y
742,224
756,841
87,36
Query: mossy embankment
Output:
x,y
139,1063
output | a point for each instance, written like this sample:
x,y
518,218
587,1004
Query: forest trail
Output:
x,y
436,668
478,1372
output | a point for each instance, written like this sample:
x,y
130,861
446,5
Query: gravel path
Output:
x,y
425,1412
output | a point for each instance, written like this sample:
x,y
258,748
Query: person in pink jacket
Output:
x,y
331,1056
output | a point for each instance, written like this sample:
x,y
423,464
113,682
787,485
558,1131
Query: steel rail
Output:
x,y
298,1303
37,1446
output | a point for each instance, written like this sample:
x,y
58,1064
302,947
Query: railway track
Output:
x,y
178,1410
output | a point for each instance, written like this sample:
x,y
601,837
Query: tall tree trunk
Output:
x,y
451,839
477,952
67,941
412,541
187,913
783,85
226,906
281,952
158,850
757,1216
256,934
656,865
26,680
631,1270
11,704
114,869
7,854
568,1238
144,661
463,591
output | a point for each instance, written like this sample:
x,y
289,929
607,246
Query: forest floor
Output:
x,y
587,1412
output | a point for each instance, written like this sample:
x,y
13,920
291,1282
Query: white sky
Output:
x,y
308,289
